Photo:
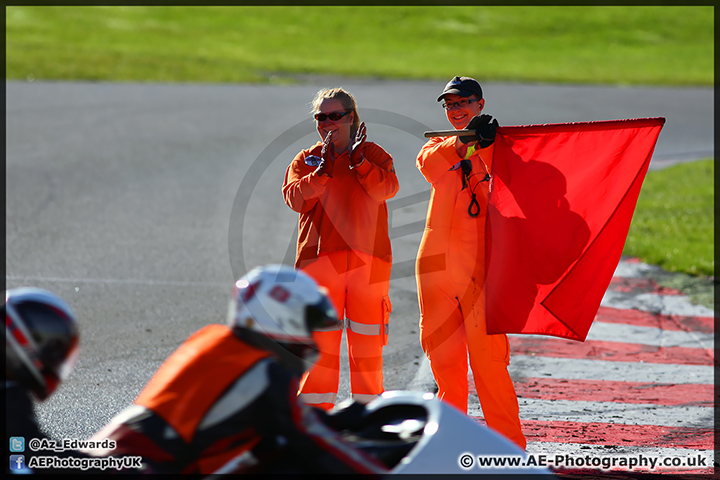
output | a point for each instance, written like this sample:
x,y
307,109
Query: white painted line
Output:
x,y
609,412
633,269
578,369
681,305
117,281
620,332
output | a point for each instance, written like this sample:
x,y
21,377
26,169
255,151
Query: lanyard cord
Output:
x,y
466,167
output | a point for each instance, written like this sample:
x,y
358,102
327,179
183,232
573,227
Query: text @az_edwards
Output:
x,y
46,444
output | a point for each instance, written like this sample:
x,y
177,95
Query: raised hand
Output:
x,y
356,155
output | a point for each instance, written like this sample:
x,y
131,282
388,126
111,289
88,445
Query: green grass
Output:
x,y
666,45
673,224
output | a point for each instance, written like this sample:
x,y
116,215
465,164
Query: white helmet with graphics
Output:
x,y
276,307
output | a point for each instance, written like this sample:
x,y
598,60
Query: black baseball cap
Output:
x,y
463,86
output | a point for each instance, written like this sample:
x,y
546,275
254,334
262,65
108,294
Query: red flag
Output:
x,y
561,201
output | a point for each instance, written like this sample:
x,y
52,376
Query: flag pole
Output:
x,y
450,133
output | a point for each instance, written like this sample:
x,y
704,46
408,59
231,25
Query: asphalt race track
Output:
x,y
141,203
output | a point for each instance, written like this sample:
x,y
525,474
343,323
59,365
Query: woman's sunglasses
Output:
x,y
334,116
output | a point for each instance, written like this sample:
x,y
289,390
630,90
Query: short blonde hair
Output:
x,y
346,99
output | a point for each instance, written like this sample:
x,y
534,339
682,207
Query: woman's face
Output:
x,y
340,127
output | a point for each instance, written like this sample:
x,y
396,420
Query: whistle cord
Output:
x,y
474,208
474,203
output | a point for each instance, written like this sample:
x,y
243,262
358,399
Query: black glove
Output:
x,y
484,130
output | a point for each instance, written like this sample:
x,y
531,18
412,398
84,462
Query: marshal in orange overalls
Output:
x,y
450,273
343,243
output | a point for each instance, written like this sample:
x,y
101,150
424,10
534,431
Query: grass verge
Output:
x,y
649,45
673,224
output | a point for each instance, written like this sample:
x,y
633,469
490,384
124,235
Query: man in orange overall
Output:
x,y
226,400
339,188
450,267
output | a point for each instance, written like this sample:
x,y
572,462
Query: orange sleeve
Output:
x,y
302,185
177,394
377,173
436,157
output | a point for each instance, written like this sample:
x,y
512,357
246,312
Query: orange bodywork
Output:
x,y
175,394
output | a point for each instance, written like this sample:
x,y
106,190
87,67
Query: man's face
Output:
x,y
462,110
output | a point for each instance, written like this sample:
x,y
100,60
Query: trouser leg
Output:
x,y
368,308
489,359
443,339
319,385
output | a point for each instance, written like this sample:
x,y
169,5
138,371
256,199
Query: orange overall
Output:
x,y
343,243
450,275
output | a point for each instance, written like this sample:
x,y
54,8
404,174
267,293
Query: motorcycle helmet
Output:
x,y
41,339
276,308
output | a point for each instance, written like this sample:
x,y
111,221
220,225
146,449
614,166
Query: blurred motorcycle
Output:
x,y
416,433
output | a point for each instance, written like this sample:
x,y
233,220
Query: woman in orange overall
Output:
x,y
339,187
450,267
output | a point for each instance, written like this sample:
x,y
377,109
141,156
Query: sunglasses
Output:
x,y
334,116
